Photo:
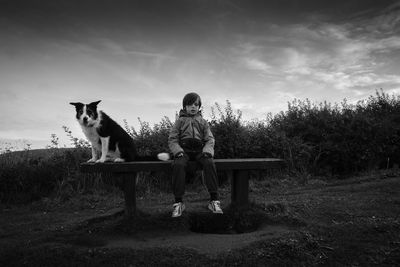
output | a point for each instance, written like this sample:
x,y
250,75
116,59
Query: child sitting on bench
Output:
x,y
191,139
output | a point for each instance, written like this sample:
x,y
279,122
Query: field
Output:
x,y
351,222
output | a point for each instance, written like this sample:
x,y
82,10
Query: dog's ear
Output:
x,y
76,104
94,104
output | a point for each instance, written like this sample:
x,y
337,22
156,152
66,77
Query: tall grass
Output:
x,y
29,175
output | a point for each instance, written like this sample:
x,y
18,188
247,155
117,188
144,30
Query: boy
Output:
x,y
191,139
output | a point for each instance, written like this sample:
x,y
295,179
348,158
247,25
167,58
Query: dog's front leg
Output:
x,y
104,148
94,155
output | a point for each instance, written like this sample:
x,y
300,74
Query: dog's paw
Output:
x,y
119,160
163,156
91,160
100,160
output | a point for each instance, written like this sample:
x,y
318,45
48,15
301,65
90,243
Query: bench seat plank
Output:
x,y
221,164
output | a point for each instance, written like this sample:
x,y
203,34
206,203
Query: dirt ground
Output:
x,y
351,222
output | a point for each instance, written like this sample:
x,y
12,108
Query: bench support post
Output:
x,y
129,188
240,189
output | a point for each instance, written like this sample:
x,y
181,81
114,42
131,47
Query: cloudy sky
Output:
x,y
141,57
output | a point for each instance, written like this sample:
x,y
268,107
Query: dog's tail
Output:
x,y
160,156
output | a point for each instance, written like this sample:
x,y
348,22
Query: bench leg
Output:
x,y
240,189
129,188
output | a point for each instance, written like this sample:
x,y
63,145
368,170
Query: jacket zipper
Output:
x,y
191,124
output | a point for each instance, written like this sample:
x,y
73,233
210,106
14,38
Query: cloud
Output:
x,y
340,59
256,64
385,23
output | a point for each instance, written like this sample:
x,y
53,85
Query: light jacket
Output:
x,y
191,131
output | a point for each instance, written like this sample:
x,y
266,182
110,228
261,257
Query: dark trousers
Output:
x,y
179,174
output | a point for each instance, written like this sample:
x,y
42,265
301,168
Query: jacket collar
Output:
x,y
183,113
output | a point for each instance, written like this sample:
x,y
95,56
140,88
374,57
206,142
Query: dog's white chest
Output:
x,y
92,135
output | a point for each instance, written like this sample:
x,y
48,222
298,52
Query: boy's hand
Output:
x,y
207,155
179,155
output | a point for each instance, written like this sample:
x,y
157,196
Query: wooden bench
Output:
x,y
240,169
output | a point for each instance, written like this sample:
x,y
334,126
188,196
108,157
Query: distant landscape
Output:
x,y
21,144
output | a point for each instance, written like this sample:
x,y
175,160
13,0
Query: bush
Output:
x,y
150,141
341,139
229,133
26,176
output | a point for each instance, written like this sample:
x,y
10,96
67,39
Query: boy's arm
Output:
x,y
209,140
173,140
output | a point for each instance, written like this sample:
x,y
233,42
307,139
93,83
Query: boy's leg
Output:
x,y
178,177
210,176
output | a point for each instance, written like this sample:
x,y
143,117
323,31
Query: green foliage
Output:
x,y
313,138
150,140
228,131
76,142
316,138
54,142
29,175
332,139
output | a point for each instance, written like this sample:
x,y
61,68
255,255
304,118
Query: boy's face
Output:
x,y
193,109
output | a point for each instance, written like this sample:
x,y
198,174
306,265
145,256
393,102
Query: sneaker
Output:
x,y
215,206
178,209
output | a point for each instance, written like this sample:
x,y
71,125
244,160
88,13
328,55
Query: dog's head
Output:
x,y
86,114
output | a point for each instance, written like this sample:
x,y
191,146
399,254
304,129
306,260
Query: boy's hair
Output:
x,y
190,99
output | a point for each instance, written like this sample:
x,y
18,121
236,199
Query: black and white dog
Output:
x,y
110,142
